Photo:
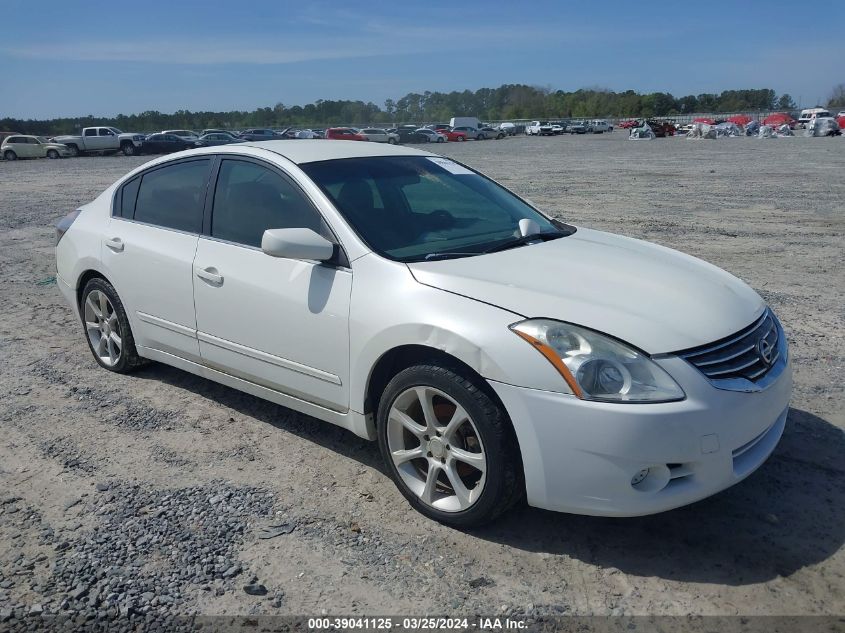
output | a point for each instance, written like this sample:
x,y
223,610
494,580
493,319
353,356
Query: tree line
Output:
x,y
509,101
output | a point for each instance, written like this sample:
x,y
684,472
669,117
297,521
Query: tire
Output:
x,y
440,139
487,427
126,359
461,139
74,150
391,141
128,149
10,155
52,154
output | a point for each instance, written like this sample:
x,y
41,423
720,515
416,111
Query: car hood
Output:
x,y
652,297
55,145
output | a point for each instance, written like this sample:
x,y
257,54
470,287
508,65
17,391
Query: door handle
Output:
x,y
210,275
115,243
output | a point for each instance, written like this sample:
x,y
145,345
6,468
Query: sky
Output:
x,y
74,58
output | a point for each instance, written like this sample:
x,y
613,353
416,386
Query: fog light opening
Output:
x,y
639,477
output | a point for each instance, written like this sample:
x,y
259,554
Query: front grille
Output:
x,y
749,354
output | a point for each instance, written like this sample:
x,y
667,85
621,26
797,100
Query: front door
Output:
x,y
280,323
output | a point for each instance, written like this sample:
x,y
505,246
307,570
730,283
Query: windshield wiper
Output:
x,y
521,241
449,255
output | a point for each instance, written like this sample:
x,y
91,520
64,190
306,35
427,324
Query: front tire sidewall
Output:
x,y
10,155
129,359
503,483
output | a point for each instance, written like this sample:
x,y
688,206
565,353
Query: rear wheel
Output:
x,y
448,446
10,155
107,328
461,138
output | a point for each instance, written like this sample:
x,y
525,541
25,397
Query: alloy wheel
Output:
x,y
436,449
103,328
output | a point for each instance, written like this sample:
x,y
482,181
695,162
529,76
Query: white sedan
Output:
x,y
493,352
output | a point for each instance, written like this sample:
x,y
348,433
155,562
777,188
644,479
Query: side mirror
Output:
x,y
297,244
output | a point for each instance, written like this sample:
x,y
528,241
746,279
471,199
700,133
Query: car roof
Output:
x,y
299,151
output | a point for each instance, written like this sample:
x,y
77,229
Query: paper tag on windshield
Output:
x,y
450,166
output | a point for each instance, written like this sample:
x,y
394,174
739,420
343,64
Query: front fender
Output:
x,y
390,309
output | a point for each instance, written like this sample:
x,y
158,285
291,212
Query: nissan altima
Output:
x,y
493,351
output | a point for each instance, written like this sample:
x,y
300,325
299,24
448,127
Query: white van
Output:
x,y
465,121
811,113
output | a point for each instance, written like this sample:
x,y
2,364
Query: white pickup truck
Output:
x,y
101,140
539,128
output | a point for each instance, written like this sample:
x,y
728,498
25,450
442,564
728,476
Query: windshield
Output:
x,y
409,208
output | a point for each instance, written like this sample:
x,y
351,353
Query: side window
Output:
x,y
104,131
173,196
91,131
128,195
249,199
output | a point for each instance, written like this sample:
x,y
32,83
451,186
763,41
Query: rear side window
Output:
x,y
249,199
91,132
172,197
128,195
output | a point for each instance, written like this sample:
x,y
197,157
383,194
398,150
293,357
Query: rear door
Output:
x,y
280,323
149,248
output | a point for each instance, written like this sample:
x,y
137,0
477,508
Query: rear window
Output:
x,y
172,197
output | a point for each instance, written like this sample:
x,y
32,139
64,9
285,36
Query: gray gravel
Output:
x,y
154,498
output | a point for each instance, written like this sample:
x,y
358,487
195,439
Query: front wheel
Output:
x,y
441,139
74,150
391,141
52,154
449,446
107,328
10,155
129,149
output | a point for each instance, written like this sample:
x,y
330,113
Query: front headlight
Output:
x,y
597,367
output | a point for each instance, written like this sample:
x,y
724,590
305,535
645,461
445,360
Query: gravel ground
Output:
x,y
161,494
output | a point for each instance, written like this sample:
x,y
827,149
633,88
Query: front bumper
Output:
x,y
581,456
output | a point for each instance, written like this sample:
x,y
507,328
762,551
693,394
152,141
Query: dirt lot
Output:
x,y
104,479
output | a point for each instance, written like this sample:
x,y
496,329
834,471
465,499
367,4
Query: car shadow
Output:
x,y
324,434
788,515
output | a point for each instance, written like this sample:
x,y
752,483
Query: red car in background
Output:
x,y
624,125
452,135
344,134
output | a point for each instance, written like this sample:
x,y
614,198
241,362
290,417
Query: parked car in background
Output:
x,y
630,123
464,121
662,129
430,136
453,135
471,132
558,128
188,135
344,134
508,128
539,128
260,134
648,381
809,114
598,126
27,146
101,140
216,138
577,127
164,144
488,132
318,133
217,131
379,135
684,129
409,134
